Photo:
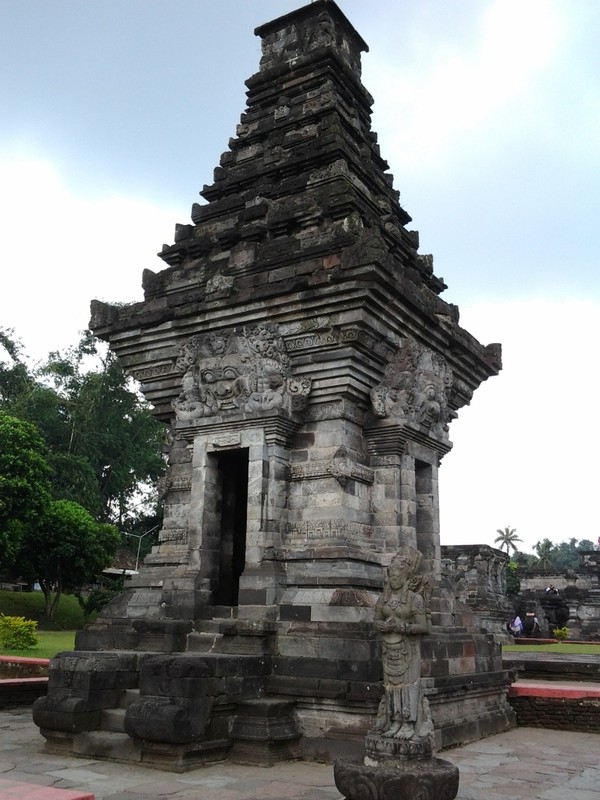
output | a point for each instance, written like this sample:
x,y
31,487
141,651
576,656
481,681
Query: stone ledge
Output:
x,y
555,690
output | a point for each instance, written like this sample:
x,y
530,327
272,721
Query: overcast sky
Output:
x,y
114,114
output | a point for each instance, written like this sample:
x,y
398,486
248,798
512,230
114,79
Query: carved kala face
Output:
x,y
221,376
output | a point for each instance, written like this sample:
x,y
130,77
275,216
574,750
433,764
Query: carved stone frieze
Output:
x,y
219,283
171,484
341,409
227,441
173,536
342,467
239,371
155,371
328,529
334,336
415,389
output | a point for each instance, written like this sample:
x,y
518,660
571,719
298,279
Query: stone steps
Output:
x,y
112,720
107,744
110,741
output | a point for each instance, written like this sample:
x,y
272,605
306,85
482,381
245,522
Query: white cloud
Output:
x,y
451,90
60,249
525,451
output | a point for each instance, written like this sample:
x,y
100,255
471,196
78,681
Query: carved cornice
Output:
x,y
279,428
391,439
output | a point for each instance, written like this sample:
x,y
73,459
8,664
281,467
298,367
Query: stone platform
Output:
x,y
523,764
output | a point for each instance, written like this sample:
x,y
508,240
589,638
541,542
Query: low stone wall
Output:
x,y
553,666
22,680
21,691
20,667
555,690
561,709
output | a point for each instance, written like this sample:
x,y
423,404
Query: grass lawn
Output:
x,y
562,647
50,643
68,615
54,636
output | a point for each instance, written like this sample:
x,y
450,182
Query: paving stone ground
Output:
x,y
521,764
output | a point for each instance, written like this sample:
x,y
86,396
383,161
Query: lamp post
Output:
x,y
139,537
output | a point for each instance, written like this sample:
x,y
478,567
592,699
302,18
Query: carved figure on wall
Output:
x,y
241,370
402,618
415,389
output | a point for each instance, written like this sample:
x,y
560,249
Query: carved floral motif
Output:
x,y
240,370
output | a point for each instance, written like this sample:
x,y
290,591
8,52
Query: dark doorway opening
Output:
x,y
233,473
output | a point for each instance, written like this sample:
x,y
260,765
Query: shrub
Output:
x,y
17,633
99,597
560,633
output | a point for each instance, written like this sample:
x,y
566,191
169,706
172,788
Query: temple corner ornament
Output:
x,y
416,389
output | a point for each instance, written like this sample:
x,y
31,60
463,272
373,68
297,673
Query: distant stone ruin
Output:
x,y
307,370
576,602
476,574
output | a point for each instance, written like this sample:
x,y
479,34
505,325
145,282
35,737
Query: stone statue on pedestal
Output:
x,y
402,617
399,759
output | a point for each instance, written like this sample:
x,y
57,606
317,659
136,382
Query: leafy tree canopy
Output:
x,y
24,482
15,378
549,556
66,550
104,445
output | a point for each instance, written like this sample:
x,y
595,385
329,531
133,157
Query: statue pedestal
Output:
x,y
397,779
397,768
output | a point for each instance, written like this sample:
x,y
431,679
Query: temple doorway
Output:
x,y
232,468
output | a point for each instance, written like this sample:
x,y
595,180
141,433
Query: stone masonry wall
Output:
x,y
559,713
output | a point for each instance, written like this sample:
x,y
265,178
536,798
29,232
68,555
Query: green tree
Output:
x,y
66,550
104,446
544,555
15,378
507,539
513,584
24,483
109,426
527,560
565,555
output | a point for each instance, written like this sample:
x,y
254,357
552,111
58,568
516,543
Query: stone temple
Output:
x,y
296,346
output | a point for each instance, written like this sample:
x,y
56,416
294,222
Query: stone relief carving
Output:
x,y
173,536
156,371
328,529
403,725
219,283
342,467
240,370
415,389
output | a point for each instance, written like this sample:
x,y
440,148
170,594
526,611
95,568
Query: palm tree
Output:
x,y
507,539
543,550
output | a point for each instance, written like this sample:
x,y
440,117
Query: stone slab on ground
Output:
x,y
521,764
16,790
